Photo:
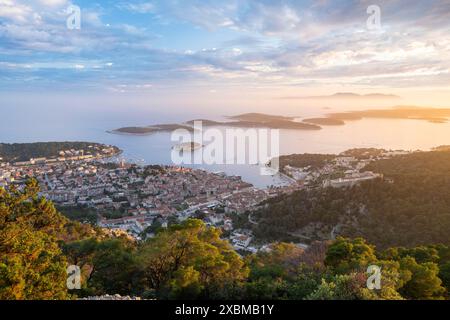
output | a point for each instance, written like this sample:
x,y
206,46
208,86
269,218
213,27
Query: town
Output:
x,y
138,200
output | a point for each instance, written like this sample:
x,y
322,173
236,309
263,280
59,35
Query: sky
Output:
x,y
241,52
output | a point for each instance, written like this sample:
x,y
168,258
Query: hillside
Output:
x,y
411,206
25,151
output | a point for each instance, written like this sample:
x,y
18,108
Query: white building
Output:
x,y
351,180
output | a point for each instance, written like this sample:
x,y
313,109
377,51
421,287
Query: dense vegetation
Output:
x,y
363,153
82,214
191,261
32,265
313,161
136,130
37,244
152,129
26,151
409,207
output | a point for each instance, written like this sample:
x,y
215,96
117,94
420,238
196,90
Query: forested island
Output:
x,y
151,129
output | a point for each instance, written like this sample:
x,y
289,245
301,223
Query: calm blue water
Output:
x,y
42,123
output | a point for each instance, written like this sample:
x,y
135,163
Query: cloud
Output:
x,y
141,7
53,3
15,12
235,43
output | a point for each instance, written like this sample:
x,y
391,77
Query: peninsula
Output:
x,y
54,151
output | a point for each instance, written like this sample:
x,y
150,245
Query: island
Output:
x,y
272,122
259,117
187,146
205,122
134,130
325,121
150,129
434,115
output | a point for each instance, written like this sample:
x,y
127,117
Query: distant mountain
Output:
x,y
350,95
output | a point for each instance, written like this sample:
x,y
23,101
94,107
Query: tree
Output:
x,y
32,265
108,266
424,282
282,260
185,284
341,287
304,284
285,272
444,275
421,254
345,255
190,257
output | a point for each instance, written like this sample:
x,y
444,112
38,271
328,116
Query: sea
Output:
x,y
20,123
